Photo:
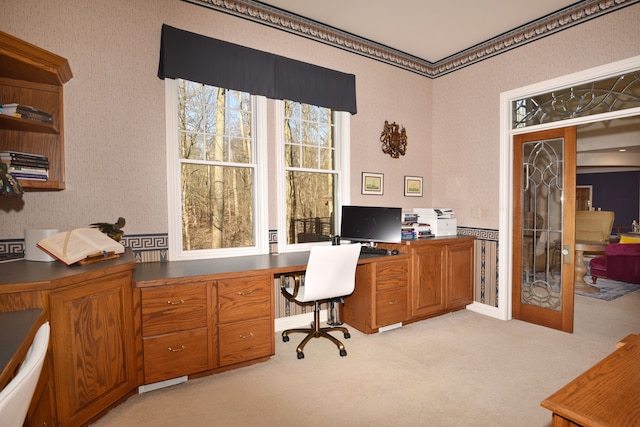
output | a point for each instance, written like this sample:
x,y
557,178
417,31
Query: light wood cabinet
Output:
x,y
442,275
381,295
175,330
91,363
33,76
440,280
245,319
197,327
92,344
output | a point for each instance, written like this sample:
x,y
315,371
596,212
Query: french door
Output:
x,y
544,172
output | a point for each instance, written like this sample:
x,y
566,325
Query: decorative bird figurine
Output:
x,y
112,230
9,186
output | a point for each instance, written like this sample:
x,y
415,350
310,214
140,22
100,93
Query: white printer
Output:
x,y
442,220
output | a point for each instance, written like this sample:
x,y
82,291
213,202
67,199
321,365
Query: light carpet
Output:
x,y
460,369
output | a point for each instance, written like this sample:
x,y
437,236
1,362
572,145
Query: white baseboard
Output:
x,y
298,321
161,384
485,309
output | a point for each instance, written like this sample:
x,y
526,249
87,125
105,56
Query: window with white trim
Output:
x,y
216,165
312,173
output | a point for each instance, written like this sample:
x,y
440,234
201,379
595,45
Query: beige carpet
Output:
x,y
459,369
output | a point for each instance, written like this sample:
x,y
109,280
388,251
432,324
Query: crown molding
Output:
x,y
535,30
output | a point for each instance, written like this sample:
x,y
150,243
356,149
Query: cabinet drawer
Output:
x,y
242,299
391,307
174,355
246,340
394,268
174,308
393,282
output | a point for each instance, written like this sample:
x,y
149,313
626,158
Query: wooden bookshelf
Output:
x,y
32,76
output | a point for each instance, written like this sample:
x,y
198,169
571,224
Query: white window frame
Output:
x,y
343,172
174,200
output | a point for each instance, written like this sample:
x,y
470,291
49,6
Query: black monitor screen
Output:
x,y
371,224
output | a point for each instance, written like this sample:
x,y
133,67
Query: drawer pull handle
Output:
x,y
246,336
173,350
175,302
245,293
393,302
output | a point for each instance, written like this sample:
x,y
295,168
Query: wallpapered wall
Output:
x,y
114,110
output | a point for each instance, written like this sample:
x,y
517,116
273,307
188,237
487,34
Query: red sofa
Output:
x,y
621,261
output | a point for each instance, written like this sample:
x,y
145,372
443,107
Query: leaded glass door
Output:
x,y
544,227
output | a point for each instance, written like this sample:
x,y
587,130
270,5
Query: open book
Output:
x,y
80,244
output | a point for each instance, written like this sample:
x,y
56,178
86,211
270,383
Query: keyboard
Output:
x,y
368,250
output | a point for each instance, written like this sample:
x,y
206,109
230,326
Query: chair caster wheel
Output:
x,y
347,335
343,352
300,355
285,338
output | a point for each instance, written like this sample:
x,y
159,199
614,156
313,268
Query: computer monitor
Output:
x,y
371,224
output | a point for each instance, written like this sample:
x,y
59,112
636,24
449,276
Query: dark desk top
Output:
x,y
232,266
40,275
17,329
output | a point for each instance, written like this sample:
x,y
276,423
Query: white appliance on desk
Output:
x,y
443,221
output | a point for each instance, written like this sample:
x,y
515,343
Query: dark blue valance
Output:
x,y
214,62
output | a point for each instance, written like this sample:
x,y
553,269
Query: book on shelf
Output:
x,y
26,112
16,158
30,176
83,245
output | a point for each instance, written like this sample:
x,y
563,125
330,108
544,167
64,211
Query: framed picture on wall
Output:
x,y
372,183
413,186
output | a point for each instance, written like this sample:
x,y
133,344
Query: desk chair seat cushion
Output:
x,y
16,397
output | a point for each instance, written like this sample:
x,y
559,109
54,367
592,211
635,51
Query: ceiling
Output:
x,y
427,29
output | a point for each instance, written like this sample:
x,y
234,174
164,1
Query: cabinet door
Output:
x,y
92,337
460,280
429,279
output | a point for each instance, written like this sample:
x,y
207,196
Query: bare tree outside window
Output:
x,y
311,175
217,167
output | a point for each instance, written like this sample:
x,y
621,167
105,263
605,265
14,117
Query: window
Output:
x,y
217,171
215,156
312,172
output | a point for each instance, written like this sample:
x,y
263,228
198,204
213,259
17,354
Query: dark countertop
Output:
x,y
232,266
17,329
40,275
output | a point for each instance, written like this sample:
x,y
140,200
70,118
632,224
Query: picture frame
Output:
x,y
372,183
413,186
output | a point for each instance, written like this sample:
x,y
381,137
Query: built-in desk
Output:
x,y
201,317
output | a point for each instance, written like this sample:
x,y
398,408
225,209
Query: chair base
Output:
x,y
317,332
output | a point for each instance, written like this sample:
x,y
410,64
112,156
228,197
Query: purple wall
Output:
x,y
615,191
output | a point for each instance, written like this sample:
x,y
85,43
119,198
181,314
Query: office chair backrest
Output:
x,y
331,272
16,397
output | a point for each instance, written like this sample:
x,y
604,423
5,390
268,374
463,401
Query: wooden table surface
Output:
x,y
608,394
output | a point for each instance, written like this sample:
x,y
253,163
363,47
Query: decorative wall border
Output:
x,y
295,24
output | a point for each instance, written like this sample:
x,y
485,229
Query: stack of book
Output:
x,y
27,166
26,112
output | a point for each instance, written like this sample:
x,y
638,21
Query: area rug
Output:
x,y
609,289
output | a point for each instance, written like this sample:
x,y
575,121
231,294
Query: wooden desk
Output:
x,y
581,269
608,394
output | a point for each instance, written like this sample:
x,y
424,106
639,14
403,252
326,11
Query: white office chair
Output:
x,y
330,274
16,397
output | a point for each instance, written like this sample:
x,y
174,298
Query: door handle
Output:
x,y
566,254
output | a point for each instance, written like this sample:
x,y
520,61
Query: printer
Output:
x,y
442,220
